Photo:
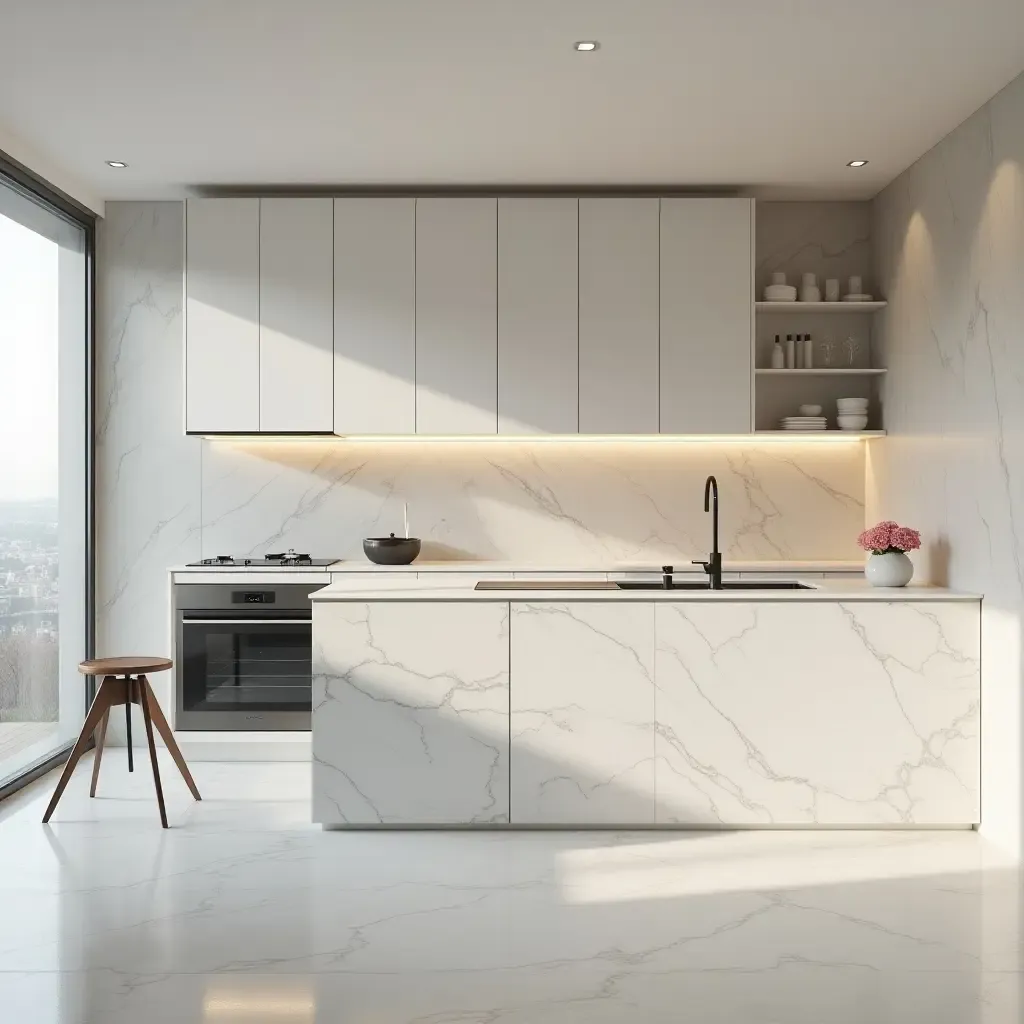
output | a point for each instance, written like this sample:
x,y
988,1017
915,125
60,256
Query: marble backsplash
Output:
x,y
563,503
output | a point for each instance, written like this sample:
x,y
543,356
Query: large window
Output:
x,y
43,479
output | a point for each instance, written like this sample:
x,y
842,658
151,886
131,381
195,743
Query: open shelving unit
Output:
x,y
846,364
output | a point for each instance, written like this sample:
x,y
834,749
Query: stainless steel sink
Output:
x,y
728,585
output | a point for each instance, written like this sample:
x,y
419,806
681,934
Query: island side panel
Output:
x,y
859,713
582,726
410,712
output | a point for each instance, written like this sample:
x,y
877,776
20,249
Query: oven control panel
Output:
x,y
253,597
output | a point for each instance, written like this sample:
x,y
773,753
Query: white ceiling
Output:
x,y
770,95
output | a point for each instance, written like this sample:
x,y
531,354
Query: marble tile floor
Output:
x,y
244,912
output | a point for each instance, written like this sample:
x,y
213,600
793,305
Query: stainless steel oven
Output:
x,y
244,656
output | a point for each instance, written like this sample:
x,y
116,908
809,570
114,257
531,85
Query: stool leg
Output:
x,y
152,750
163,727
101,704
128,722
101,736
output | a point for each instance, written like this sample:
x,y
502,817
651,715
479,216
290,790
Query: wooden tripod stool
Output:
x,y
124,682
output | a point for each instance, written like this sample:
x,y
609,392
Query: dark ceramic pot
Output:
x,y
391,550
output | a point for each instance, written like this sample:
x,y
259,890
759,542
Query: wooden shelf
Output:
x,y
853,435
819,307
825,371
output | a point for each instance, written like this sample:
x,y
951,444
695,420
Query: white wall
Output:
x,y
949,236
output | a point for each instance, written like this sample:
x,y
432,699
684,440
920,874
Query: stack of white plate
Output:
x,y
804,423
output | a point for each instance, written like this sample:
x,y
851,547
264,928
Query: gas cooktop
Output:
x,y
289,559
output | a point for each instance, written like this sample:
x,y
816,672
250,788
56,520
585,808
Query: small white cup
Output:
x,y
810,280
832,289
856,286
779,277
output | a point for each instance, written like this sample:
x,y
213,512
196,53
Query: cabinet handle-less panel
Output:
x,y
456,316
538,340
761,708
374,316
618,267
706,315
296,316
410,712
582,713
222,309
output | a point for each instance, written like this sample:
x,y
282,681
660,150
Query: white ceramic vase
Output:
x,y
893,569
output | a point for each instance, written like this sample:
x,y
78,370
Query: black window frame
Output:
x,y
35,188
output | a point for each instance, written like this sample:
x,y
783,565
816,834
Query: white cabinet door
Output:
x,y
582,713
374,316
816,712
618,266
706,315
296,316
222,311
410,712
538,336
456,316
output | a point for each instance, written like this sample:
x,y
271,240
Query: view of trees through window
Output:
x,y
28,611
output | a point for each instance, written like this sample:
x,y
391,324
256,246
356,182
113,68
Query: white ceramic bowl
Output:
x,y
780,293
852,422
810,410
852,405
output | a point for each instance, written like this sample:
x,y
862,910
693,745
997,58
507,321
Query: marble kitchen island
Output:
x,y
834,706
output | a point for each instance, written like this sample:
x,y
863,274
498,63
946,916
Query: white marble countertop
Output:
x,y
481,567
681,563
464,590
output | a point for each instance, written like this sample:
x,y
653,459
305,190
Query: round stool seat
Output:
x,y
130,666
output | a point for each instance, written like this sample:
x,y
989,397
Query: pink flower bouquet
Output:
x,y
888,537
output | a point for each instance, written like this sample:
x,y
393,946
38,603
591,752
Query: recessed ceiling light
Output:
x,y
857,163
584,45
116,163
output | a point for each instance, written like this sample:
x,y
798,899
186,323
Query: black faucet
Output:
x,y
713,567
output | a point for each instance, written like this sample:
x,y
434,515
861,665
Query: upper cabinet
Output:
x,y
706,315
618,316
222,303
456,316
259,311
296,316
466,315
538,323
374,316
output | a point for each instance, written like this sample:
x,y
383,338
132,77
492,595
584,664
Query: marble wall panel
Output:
x,y
949,235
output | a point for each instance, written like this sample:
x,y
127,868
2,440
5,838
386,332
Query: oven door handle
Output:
x,y
246,622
